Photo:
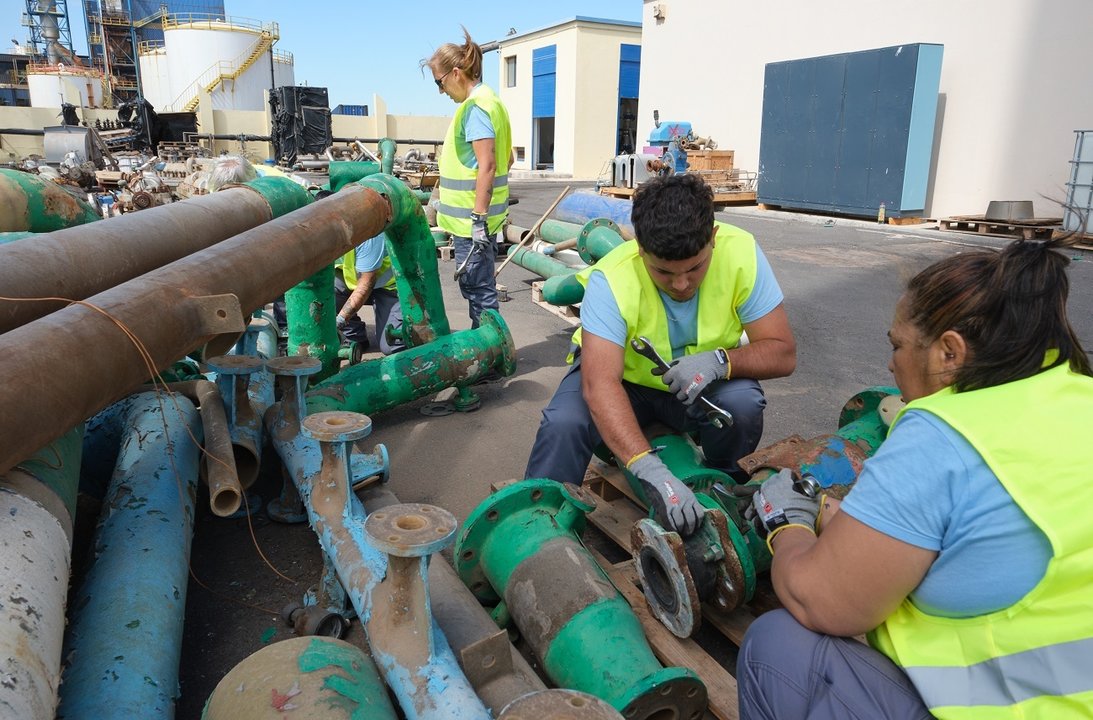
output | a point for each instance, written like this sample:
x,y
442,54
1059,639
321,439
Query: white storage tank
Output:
x,y
52,85
232,56
284,69
155,78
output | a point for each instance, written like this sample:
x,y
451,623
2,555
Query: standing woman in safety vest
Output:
x,y
474,166
965,549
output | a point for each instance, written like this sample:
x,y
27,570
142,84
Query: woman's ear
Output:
x,y
953,349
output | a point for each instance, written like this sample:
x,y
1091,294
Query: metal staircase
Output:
x,y
223,71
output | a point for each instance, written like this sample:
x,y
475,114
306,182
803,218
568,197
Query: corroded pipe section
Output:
x,y
218,461
318,678
124,637
91,258
233,381
560,704
499,673
388,593
32,203
170,311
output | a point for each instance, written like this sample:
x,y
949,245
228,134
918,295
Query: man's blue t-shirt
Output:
x,y
370,254
600,313
928,487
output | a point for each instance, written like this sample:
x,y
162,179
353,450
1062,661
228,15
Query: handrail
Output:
x,y
213,21
146,46
283,56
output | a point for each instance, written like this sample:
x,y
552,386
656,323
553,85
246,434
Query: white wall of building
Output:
x,y
1013,81
586,94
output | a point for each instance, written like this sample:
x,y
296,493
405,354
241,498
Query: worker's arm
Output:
x,y
484,152
849,579
601,385
365,282
771,351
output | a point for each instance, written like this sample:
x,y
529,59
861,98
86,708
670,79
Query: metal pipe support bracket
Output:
x,y
521,547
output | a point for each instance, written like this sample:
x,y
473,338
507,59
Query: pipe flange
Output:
x,y
544,494
410,529
674,692
559,704
366,469
661,561
731,589
294,365
582,237
235,364
493,319
337,426
437,409
581,497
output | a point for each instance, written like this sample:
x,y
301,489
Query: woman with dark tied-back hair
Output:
x,y
474,166
965,550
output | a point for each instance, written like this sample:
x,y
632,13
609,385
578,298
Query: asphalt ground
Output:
x,y
841,280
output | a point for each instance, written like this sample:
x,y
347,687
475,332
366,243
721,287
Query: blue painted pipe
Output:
x,y
427,683
124,637
580,207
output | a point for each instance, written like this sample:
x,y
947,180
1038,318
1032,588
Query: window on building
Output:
x,y
519,152
510,71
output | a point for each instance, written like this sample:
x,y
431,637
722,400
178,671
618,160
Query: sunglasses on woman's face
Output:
x,y
440,80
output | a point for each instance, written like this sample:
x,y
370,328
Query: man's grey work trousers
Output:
x,y
787,672
567,435
477,284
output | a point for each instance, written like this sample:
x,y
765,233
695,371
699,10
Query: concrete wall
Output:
x,y
1012,87
586,99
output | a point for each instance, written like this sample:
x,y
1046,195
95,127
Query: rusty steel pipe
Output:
x,y
79,361
218,460
83,260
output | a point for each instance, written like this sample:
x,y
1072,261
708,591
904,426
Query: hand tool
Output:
x,y
718,417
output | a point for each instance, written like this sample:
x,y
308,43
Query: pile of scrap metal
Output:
x,y
95,431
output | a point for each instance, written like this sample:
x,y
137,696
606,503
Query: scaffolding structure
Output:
x,y
50,38
117,28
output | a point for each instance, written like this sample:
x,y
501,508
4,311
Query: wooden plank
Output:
x,y
620,192
906,220
736,196
570,313
673,651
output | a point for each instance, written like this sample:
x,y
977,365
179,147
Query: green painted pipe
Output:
x,y
57,466
32,203
555,231
521,547
453,359
282,194
387,156
412,250
310,311
7,237
539,264
597,238
563,290
345,173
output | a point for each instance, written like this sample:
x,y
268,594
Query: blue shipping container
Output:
x,y
360,110
846,133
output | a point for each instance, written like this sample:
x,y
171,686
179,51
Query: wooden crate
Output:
x,y
615,514
710,159
570,313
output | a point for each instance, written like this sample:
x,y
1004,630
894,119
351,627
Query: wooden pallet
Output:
x,y
618,192
1085,242
616,513
1030,229
570,313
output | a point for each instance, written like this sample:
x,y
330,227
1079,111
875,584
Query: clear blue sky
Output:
x,y
358,48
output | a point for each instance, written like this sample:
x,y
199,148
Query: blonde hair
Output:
x,y
467,57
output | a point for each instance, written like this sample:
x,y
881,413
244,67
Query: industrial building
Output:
x,y
571,90
1009,98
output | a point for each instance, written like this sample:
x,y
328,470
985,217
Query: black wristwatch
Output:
x,y
479,217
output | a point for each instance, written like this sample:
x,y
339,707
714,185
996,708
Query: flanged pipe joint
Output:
x,y
520,551
720,562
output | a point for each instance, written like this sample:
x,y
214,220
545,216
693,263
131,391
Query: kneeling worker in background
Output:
x,y
692,286
365,276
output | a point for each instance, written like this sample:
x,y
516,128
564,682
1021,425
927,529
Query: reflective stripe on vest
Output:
x,y
1016,662
458,181
727,285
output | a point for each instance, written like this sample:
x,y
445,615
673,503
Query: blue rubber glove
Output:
x,y
674,503
688,376
779,504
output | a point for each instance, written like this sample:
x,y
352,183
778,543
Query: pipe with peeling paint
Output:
x,y
412,652
124,637
35,549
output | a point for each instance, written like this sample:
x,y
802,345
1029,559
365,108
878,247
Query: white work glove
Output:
x,y
480,233
780,503
673,502
688,376
340,322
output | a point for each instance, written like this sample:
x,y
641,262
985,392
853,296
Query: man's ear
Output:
x,y
713,237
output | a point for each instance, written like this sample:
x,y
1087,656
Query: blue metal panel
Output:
x,y
544,62
629,70
848,132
